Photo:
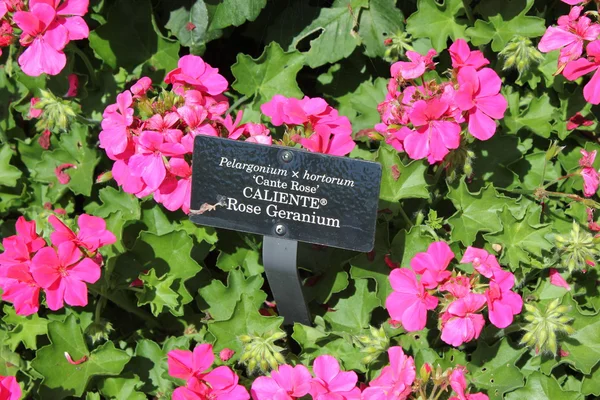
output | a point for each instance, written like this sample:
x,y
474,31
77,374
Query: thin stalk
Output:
x,y
87,63
237,103
405,217
559,179
151,321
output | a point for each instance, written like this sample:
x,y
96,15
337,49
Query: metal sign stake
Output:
x,y
280,259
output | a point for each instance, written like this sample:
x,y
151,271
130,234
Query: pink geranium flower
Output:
x,y
578,68
9,388
184,364
459,385
462,56
569,36
395,380
45,39
479,95
458,286
140,88
461,323
409,301
27,231
69,14
331,383
483,262
92,232
557,280
175,193
432,264
117,118
258,133
433,136
17,283
337,145
415,68
62,274
193,72
219,384
502,302
589,173
286,383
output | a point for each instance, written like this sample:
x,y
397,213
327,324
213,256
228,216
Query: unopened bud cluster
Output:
x,y
578,250
520,54
545,325
261,353
57,113
374,344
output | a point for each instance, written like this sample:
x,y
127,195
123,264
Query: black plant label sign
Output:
x,y
285,192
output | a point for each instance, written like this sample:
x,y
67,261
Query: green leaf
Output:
x,y
9,174
493,368
380,20
222,299
353,314
149,363
476,212
189,24
337,36
10,362
438,22
234,12
63,379
168,255
399,181
591,383
274,72
506,24
245,320
521,238
122,388
129,38
530,168
158,293
360,106
73,149
536,117
25,329
583,346
542,387
114,200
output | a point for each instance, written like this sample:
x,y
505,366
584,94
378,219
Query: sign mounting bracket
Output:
x,y
280,259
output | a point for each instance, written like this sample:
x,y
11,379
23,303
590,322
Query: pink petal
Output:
x,y
591,91
55,295
326,367
578,68
557,280
489,82
73,7
68,254
75,292
494,106
77,28
480,125
180,363
86,271
203,357
44,267
416,145
41,58
555,38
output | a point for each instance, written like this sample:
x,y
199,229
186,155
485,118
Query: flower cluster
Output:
x,y
28,265
9,388
589,173
47,26
312,123
289,382
576,36
425,118
151,138
462,301
220,383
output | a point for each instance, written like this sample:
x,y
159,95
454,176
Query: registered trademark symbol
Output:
x,y
323,202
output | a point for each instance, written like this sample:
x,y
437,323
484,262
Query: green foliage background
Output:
x,y
333,49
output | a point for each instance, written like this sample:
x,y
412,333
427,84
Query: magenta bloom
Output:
x,y
9,388
569,36
258,133
483,262
589,173
557,280
459,385
433,136
479,94
458,286
432,264
219,384
44,38
331,383
395,380
582,66
117,118
140,88
62,275
193,72
462,56
415,68
184,364
175,193
92,232
286,383
502,302
27,231
18,285
460,323
409,301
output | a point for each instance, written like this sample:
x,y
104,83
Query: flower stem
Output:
x,y
405,217
237,103
88,64
559,179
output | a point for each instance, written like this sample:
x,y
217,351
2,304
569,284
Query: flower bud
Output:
x,y
521,54
577,249
261,352
544,325
425,372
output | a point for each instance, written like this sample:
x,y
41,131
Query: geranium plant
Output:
x,y
483,281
